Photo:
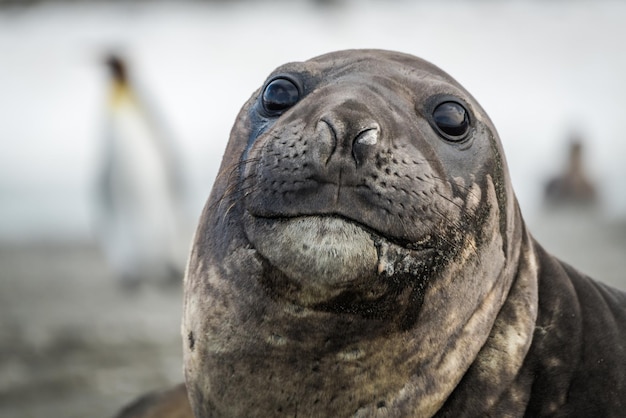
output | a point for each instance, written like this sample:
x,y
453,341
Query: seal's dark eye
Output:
x,y
279,95
452,120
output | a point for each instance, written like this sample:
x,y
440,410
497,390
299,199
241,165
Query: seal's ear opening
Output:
x,y
279,94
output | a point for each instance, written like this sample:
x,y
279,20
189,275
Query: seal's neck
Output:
x,y
481,339
493,382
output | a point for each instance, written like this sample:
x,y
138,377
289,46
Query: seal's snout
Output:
x,y
356,146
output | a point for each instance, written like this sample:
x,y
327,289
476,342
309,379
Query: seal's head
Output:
x,y
362,225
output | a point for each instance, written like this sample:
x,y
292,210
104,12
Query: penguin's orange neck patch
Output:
x,y
120,92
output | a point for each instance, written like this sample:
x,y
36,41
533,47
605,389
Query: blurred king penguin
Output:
x,y
141,190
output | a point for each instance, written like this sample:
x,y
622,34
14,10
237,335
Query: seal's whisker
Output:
x,y
232,195
459,229
234,168
468,189
234,188
450,200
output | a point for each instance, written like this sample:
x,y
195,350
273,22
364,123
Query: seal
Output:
x,y
362,254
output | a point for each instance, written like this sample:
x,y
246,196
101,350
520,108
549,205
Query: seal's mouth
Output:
x,y
426,242
319,260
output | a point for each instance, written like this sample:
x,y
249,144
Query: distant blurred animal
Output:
x,y
141,216
572,186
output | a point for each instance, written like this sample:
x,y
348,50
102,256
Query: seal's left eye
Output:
x,y
279,95
452,120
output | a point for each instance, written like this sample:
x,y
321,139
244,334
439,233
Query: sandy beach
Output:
x,y
73,343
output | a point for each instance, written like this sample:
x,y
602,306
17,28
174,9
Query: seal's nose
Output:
x,y
347,133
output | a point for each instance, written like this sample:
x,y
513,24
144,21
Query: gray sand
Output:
x,y
72,342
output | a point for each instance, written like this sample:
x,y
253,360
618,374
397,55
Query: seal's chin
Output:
x,y
314,259
322,256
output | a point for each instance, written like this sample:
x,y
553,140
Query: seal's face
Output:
x,y
361,180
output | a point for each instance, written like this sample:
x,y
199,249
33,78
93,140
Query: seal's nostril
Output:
x,y
326,140
328,127
363,144
368,136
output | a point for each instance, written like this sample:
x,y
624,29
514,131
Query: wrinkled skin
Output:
x,y
353,261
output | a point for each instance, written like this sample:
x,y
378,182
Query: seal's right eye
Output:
x,y
279,95
452,121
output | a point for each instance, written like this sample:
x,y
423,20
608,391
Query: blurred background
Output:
x,y
89,319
